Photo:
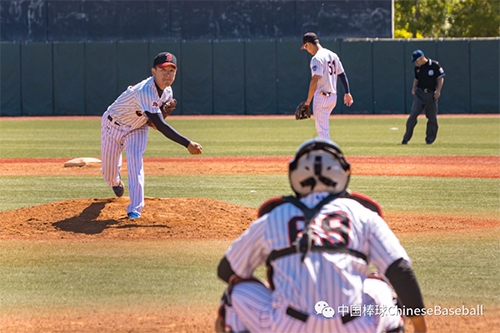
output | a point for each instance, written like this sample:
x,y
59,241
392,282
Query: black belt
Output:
x,y
113,122
327,94
275,254
303,316
425,90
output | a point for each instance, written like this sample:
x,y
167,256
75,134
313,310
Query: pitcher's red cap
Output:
x,y
165,59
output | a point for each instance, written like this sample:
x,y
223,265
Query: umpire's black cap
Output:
x,y
309,37
165,59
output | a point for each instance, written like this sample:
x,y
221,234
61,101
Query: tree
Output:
x,y
475,18
425,17
447,18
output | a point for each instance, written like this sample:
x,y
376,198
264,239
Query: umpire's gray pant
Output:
x,y
423,100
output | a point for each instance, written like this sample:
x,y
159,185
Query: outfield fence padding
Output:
x,y
485,73
242,77
356,60
10,80
197,83
456,90
69,78
293,75
388,72
260,77
36,79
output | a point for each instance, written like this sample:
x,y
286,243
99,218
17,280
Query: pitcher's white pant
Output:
x,y
113,140
252,310
322,108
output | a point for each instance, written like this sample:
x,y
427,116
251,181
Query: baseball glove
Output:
x,y
302,111
166,108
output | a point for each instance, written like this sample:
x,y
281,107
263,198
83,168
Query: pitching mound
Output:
x,y
107,219
172,218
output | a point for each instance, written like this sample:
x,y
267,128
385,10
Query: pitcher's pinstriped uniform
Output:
x,y
327,65
325,69
123,126
336,278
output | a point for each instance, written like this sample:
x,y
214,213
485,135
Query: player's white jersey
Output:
x,y
335,278
128,109
327,65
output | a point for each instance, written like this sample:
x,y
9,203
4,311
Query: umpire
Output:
x,y
429,78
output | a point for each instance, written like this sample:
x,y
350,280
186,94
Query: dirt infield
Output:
x,y
196,218
425,166
175,320
167,218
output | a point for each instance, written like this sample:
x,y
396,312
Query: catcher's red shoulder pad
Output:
x,y
269,205
365,200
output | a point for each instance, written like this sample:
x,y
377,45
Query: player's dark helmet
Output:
x,y
319,166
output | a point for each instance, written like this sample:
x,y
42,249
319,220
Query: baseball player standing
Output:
x,y
429,79
125,126
317,246
325,68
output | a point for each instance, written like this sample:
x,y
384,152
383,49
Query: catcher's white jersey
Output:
x,y
123,126
327,65
334,278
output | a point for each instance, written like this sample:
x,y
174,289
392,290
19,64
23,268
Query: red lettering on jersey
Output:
x,y
335,226
155,104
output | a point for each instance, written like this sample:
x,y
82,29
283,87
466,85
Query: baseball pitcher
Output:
x,y
317,246
125,126
325,68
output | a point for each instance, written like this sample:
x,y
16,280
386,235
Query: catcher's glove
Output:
x,y
302,111
166,108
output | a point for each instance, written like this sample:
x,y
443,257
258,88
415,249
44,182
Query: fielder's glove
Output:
x,y
166,109
302,111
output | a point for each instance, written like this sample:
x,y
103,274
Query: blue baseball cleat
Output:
x,y
133,215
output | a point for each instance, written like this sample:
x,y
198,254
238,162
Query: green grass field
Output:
x,y
48,276
254,137
453,267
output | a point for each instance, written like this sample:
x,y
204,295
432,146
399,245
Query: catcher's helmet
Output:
x,y
319,166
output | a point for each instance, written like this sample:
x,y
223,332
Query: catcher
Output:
x,y
317,246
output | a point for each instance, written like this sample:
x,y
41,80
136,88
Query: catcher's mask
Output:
x,y
319,166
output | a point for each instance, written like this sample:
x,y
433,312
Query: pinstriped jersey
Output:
x,y
327,65
336,278
128,109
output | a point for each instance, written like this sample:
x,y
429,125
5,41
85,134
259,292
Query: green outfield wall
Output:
x,y
242,77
